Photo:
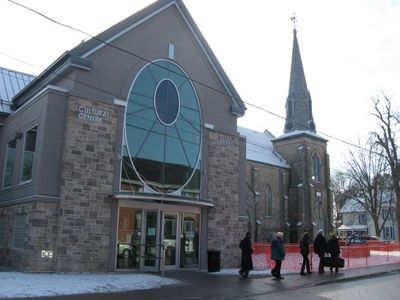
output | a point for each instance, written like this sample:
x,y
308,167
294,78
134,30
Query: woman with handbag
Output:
x,y
334,250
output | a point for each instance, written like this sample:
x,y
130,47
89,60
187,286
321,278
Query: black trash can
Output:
x,y
214,260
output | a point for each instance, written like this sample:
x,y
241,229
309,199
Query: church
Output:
x,y
125,154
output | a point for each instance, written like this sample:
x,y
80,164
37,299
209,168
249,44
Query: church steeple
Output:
x,y
298,103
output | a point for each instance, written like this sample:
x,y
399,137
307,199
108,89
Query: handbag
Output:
x,y
333,262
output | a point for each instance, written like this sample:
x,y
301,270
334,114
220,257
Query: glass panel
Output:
x,y
9,169
29,151
163,144
190,240
166,102
170,223
129,179
150,242
129,233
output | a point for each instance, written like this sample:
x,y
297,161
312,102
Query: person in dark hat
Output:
x,y
320,249
305,250
246,263
333,248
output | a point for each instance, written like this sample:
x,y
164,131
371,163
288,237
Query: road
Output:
x,y
376,288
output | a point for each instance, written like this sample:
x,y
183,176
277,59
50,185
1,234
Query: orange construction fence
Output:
x,y
355,256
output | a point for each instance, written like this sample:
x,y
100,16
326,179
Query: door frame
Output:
x,y
177,239
156,266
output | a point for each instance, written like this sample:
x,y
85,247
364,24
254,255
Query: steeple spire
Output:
x,y
298,103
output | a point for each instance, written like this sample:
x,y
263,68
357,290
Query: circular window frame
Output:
x,y
149,187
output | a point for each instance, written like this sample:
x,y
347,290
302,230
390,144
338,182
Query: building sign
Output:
x,y
227,141
92,114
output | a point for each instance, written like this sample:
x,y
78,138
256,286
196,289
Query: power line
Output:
x,y
188,77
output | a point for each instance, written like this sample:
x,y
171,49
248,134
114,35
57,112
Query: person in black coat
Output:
x,y
305,250
246,264
320,249
334,249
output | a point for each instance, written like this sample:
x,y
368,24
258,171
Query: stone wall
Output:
x,y
40,235
277,179
224,231
86,181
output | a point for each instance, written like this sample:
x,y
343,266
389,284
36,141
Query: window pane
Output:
x,y
29,151
9,169
163,127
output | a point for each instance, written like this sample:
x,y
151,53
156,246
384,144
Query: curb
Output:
x,y
351,278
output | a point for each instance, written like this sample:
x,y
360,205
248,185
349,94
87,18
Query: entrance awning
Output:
x,y
163,199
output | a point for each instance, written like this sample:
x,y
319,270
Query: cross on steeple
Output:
x,y
294,20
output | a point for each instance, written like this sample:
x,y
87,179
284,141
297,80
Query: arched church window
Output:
x,y
268,201
315,168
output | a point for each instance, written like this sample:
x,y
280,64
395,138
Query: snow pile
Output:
x,y
15,284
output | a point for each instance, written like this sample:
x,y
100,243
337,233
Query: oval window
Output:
x,y
166,102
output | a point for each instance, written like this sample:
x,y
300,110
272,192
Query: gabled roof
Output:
x,y
11,82
78,57
259,148
353,205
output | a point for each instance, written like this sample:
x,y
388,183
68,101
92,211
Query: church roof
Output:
x,y
259,148
11,82
298,104
299,133
78,57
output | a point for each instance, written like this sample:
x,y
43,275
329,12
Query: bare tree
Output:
x,y
342,190
366,170
386,138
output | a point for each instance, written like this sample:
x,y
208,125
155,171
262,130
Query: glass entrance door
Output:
x,y
170,235
190,241
150,247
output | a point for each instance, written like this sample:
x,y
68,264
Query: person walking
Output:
x,y
277,254
333,249
305,250
320,249
246,263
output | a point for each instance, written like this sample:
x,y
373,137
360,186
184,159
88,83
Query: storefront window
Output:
x,y
129,236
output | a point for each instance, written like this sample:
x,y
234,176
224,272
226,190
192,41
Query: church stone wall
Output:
x,y
278,179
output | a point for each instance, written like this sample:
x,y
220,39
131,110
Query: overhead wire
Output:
x,y
188,77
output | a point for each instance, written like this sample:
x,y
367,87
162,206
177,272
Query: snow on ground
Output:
x,y
16,284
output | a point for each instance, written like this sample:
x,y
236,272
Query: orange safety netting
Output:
x,y
355,256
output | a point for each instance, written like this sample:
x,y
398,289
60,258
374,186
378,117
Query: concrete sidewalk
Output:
x,y
198,285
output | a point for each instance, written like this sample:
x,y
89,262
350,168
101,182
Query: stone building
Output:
x,y
288,176
125,154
